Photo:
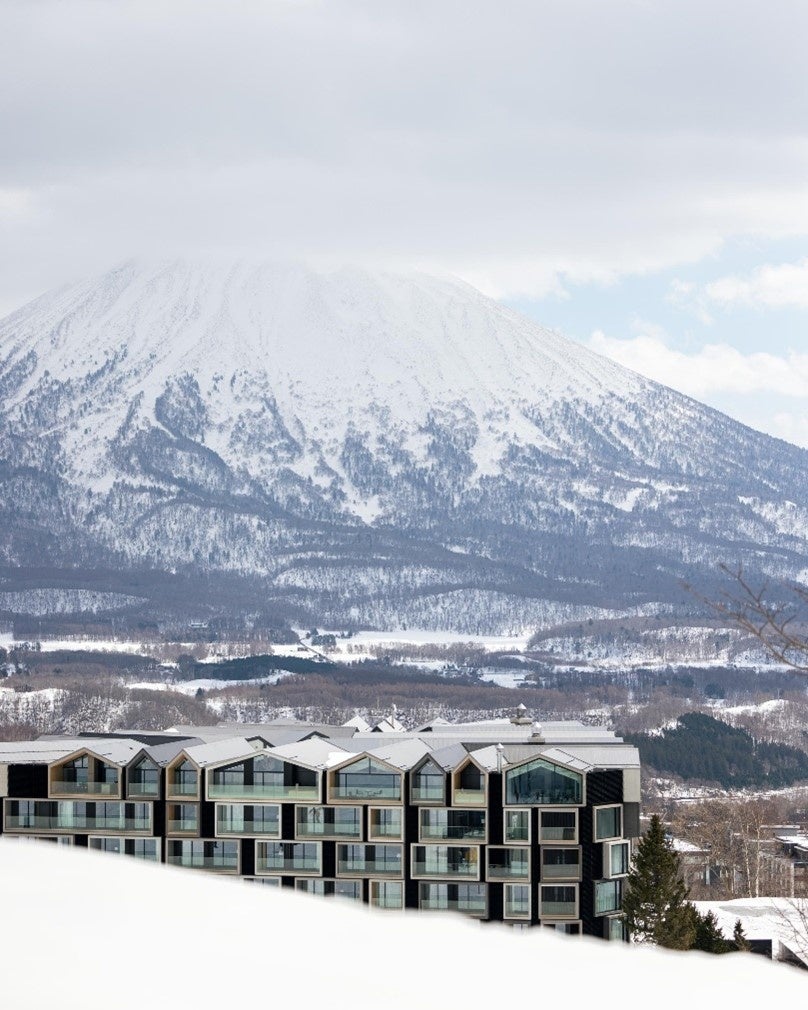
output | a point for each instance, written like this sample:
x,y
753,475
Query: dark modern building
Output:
x,y
503,820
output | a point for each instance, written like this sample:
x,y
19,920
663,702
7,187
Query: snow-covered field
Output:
x,y
72,919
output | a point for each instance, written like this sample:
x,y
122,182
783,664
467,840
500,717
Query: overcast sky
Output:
x,y
631,172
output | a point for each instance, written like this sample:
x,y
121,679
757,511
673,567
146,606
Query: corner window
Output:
x,y
608,823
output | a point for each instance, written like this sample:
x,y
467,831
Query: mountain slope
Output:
x,y
367,448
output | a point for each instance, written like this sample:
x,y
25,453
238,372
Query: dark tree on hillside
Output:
x,y
709,936
739,937
655,903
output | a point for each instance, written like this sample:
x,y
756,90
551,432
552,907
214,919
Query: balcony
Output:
x,y
443,861
428,793
469,797
355,791
453,898
241,791
215,864
60,787
370,860
143,788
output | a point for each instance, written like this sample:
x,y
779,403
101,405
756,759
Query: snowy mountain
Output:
x,y
369,448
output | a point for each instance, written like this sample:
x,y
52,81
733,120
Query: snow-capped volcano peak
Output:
x,y
215,414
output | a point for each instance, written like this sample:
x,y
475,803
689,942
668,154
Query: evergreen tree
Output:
x,y
655,902
739,937
709,936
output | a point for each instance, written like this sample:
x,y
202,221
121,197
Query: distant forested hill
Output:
x,y
703,748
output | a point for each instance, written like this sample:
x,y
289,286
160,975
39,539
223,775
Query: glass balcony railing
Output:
x,y
185,825
351,829
518,909
183,788
246,827
440,869
570,871
24,822
361,792
469,906
557,834
297,864
228,864
560,909
62,788
143,788
455,832
508,871
469,797
428,793
230,790
370,867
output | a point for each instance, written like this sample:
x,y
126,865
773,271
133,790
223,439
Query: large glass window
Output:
x,y
469,786
560,864
387,893
428,784
446,861
287,857
184,779
439,823
385,822
183,818
331,888
517,901
540,781
221,857
558,901
370,859
616,858
471,899
517,825
247,819
558,825
144,778
328,822
608,896
508,863
367,779
608,823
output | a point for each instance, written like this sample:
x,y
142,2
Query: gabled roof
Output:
x,y
313,753
221,752
403,754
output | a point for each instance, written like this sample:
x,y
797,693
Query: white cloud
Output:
x,y
769,286
711,370
526,146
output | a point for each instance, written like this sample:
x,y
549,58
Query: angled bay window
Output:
x,y
451,824
471,899
540,781
248,819
288,857
370,859
365,779
608,822
428,784
328,822
143,779
446,861
608,896
616,859
560,864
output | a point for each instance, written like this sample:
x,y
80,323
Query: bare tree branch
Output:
x,y
779,622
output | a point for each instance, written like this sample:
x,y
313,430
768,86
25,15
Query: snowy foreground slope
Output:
x,y
382,449
90,931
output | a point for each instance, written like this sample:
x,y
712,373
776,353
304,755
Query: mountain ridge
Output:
x,y
370,447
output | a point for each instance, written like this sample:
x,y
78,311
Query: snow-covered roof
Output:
x,y
232,749
784,920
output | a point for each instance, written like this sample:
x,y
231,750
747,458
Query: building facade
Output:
x,y
502,820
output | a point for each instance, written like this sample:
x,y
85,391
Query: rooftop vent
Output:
x,y
521,718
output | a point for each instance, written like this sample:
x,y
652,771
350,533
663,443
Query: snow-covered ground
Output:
x,y
72,919
491,643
